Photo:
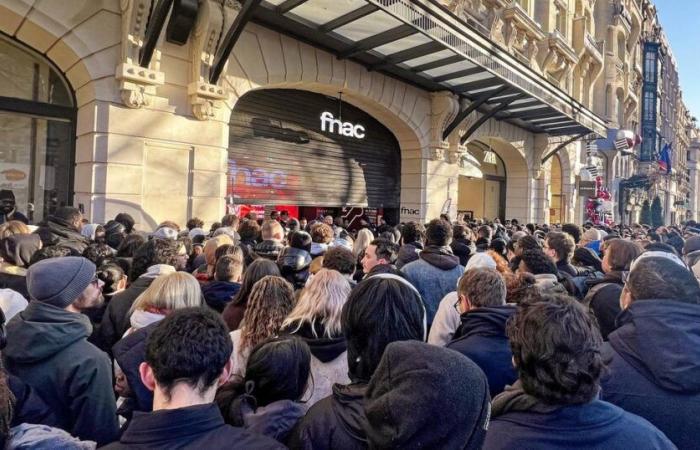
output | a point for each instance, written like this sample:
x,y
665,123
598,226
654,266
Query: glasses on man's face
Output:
x,y
96,281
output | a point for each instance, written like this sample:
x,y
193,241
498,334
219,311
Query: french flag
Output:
x,y
665,159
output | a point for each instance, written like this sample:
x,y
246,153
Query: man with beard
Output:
x,y
47,348
63,229
8,208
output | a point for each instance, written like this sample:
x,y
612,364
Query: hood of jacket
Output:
x,y
218,294
486,321
294,259
440,257
661,339
546,280
275,420
323,348
349,406
463,247
42,330
409,252
62,228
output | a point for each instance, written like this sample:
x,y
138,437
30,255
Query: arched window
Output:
x,y
37,131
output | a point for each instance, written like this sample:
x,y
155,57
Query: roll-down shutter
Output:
x,y
278,153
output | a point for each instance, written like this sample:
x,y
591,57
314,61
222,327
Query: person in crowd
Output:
x,y
177,290
8,208
447,318
412,239
437,270
380,310
483,238
98,254
587,259
52,251
554,404
379,257
94,232
294,260
184,370
267,400
234,312
501,263
227,281
271,300
482,333
16,253
653,358
115,233
154,258
341,260
364,238
126,220
603,297
592,239
62,228
423,396
572,230
322,235
272,240
47,348
316,319
520,288
462,244
231,221
13,227
194,222
537,263
691,254
249,231
559,247
205,272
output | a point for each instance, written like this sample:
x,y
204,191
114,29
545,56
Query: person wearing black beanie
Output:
x,y
426,397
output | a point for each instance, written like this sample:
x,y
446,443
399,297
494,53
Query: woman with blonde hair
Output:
x,y
13,227
316,320
364,237
271,300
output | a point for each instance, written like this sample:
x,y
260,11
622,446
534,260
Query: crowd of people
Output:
x,y
284,333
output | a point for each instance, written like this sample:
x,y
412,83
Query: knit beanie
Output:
x,y
424,396
59,281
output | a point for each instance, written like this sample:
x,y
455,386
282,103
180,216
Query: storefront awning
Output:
x,y
423,43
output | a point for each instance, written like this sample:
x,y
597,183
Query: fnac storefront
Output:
x,y
311,154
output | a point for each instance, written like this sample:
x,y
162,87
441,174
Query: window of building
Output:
x,y
37,130
650,66
560,18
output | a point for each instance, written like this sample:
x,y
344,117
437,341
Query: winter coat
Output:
x,y
653,367
549,284
15,254
12,303
596,425
29,406
336,422
603,299
318,249
434,275
47,348
384,268
217,294
329,362
233,315
446,321
294,266
482,338
41,437
56,231
129,353
115,320
13,277
14,215
275,420
193,427
269,249
693,261
408,253
567,268
463,249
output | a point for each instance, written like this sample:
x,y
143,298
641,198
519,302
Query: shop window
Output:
x,y
37,129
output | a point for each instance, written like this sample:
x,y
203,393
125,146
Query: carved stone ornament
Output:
x,y
137,84
444,108
213,20
455,153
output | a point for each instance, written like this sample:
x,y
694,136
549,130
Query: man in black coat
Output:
x,y
653,358
63,229
482,334
560,247
47,348
184,371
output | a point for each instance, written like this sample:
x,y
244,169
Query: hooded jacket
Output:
x,y
653,362
217,294
329,361
47,348
294,266
17,251
434,274
336,422
463,249
56,231
275,420
193,427
408,253
603,299
482,338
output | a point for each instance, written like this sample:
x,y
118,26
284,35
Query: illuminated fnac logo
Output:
x,y
333,125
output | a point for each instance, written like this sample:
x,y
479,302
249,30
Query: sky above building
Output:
x,y
679,19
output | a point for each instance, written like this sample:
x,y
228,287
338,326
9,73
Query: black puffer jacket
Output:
x,y
336,422
294,266
56,231
269,249
603,299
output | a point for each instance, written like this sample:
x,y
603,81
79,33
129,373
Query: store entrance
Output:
x,y
482,184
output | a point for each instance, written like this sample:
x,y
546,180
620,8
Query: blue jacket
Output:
x,y
482,338
218,294
653,362
594,425
434,275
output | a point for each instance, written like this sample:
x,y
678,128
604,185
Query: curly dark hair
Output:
x,y
126,220
155,251
249,230
340,259
51,251
194,222
528,243
386,250
572,230
438,232
556,350
538,262
191,345
98,253
321,233
562,243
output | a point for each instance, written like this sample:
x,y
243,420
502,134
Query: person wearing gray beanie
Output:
x,y
47,348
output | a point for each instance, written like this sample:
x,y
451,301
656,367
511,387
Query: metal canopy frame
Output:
x,y
153,29
562,145
465,62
